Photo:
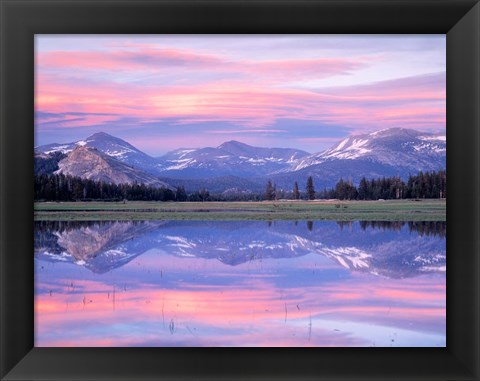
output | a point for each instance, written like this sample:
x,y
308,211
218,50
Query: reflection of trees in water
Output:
x,y
43,229
62,226
345,224
429,228
423,228
383,225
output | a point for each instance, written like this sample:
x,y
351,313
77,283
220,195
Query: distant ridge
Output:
x,y
236,165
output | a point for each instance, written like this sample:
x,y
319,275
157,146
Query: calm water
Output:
x,y
230,283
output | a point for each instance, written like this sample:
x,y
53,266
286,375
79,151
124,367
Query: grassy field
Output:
x,y
391,210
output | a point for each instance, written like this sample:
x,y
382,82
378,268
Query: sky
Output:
x,y
164,92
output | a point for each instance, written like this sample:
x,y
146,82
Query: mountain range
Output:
x,y
231,158
243,168
390,250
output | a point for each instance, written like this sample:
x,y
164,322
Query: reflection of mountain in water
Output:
x,y
99,246
392,249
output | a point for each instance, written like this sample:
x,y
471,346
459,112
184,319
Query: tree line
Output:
x,y
423,185
271,192
60,187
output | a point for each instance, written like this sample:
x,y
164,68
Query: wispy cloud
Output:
x,y
251,91
157,60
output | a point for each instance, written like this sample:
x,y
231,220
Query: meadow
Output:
x,y
388,210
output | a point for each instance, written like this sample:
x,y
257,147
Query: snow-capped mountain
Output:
x,y
235,165
90,163
99,246
390,152
109,145
231,158
394,146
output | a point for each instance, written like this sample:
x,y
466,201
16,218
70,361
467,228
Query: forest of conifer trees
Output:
x,y
423,185
58,187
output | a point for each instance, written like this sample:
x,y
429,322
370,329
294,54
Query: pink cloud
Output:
x,y
123,60
249,107
155,59
251,98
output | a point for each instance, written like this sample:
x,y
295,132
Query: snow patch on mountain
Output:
x,y
348,150
180,242
182,163
341,145
429,147
442,138
349,257
65,148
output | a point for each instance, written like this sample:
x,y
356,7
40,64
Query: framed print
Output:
x,y
224,178
298,214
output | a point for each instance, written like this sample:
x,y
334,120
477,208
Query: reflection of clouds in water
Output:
x,y
297,300
237,315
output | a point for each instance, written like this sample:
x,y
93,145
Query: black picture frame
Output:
x,y
22,19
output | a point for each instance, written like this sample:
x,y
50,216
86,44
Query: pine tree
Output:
x,y
340,190
296,192
310,189
269,192
180,194
363,189
204,194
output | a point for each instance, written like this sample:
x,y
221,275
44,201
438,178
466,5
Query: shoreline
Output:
x,y
336,210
